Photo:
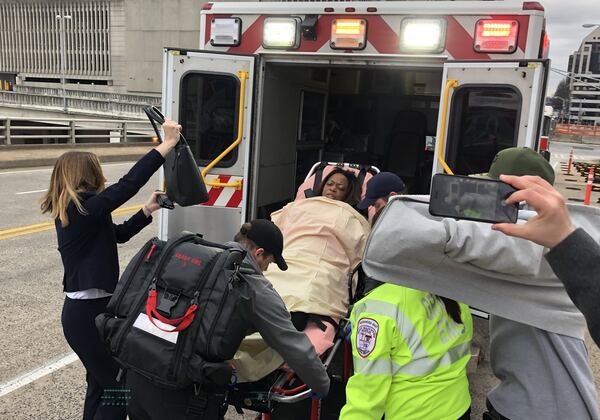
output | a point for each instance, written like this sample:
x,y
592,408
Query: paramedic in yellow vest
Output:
x,y
410,350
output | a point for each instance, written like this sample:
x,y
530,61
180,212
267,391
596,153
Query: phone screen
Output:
x,y
470,198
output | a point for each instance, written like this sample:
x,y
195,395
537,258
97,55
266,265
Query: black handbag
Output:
x,y
183,181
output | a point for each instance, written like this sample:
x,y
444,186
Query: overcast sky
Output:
x,y
564,20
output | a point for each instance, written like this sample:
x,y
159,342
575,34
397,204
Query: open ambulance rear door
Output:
x,y
486,107
210,94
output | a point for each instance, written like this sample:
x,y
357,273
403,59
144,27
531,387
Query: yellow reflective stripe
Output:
x,y
425,366
417,367
374,367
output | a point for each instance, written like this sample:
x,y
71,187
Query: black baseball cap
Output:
x,y
267,235
381,185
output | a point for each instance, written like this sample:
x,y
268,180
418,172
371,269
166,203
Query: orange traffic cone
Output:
x,y
588,187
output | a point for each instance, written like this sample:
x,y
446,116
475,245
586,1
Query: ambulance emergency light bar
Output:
x,y
348,34
418,35
225,32
496,36
281,32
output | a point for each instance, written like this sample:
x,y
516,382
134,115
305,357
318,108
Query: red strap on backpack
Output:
x,y
179,323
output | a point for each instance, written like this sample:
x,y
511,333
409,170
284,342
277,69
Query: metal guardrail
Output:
x,y
63,130
90,94
103,105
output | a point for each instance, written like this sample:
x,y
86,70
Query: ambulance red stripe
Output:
x,y
382,36
251,38
459,42
215,192
235,199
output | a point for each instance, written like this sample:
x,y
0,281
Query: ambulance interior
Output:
x,y
384,116
380,116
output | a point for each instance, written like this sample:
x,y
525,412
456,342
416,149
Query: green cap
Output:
x,y
520,161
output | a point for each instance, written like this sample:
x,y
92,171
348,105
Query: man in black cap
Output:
x,y
379,189
263,242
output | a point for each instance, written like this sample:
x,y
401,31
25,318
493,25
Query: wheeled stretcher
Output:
x,y
284,387
281,386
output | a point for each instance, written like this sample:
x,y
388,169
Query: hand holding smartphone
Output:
x,y
470,198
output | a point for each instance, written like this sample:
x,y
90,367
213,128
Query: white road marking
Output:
x,y
38,191
37,373
49,169
30,192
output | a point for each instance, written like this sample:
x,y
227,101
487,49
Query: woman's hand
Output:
x,y
152,204
551,225
172,130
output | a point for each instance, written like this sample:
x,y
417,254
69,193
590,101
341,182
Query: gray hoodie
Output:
x,y
468,261
536,346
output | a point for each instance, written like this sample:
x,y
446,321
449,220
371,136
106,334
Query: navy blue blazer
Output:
x,y
88,245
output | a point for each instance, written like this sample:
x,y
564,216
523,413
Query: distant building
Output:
x,y
584,66
94,57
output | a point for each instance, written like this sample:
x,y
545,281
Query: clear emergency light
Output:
x,y
225,32
348,34
281,32
422,35
496,36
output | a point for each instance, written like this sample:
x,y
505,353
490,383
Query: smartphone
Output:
x,y
470,198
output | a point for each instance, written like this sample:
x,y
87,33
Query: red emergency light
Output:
x,y
545,45
496,36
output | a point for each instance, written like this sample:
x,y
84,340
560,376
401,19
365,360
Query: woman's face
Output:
x,y
336,187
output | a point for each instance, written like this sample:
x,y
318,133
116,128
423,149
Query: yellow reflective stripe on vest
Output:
x,y
409,331
421,364
420,367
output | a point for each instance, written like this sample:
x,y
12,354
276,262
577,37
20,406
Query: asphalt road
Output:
x,y
31,339
31,296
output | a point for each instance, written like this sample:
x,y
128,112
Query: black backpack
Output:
x,y
193,287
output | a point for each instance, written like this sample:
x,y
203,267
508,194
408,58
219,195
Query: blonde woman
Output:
x,y
81,207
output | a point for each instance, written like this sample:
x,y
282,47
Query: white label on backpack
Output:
x,y
143,323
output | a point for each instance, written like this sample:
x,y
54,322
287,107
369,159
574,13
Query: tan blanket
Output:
x,y
323,241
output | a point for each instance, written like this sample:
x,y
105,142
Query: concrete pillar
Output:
x,y
124,131
72,134
7,132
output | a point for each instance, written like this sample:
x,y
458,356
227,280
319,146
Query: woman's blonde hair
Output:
x,y
74,173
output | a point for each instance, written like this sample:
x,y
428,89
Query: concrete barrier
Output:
x,y
26,156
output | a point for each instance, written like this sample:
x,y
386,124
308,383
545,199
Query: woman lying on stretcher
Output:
x,y
324,237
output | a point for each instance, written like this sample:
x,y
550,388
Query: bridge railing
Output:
x,y
88,102
63,130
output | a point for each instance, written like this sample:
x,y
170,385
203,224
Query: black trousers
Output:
x,y
492,414
466,416
104,398
151,402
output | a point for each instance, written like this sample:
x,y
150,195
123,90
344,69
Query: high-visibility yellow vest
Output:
x,y
410,357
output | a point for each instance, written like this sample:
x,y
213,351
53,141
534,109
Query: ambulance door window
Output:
x,y
483,121
208,114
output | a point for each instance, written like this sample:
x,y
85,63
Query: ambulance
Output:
x,y
411,87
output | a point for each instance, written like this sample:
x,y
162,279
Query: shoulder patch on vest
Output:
x,y
366,336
